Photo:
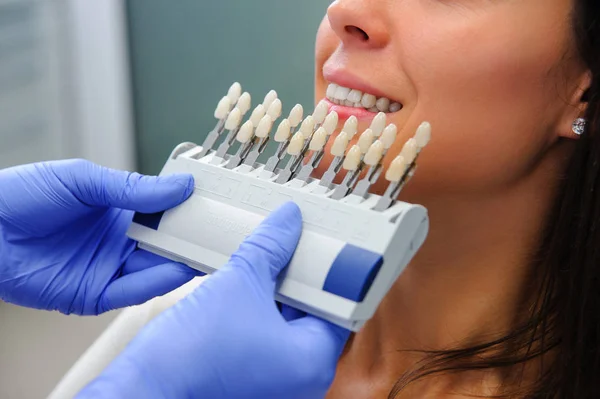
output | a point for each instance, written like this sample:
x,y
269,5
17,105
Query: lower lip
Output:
x,y
346,112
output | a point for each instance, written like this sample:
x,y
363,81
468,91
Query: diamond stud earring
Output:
x,y
579,126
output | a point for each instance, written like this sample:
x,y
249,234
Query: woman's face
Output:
x,y
497,80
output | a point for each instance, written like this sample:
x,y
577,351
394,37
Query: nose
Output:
x,y
359,23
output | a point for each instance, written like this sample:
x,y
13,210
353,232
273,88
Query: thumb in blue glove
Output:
x,y
62,237
228,339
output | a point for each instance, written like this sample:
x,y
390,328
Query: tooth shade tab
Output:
x,y
308,125
389,136
378,124
264,127
244,103
283,131
234,119
331,122
423,135
234,92
365,140
318,140
274,110
223,108
374,154
352,160
339,144
269,98
296,144
296,115
320,112
396,169
409,151
257,114
351,126
246,132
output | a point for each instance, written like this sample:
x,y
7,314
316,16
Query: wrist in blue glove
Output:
x,y
228,339
62,237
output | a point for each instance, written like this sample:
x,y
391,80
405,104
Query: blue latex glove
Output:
x,y
228,339
62,237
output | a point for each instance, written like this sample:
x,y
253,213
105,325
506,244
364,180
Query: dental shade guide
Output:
x,y
352,247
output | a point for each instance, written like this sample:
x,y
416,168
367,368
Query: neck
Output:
x,y
469,282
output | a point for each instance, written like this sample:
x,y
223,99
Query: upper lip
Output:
x,y
347,79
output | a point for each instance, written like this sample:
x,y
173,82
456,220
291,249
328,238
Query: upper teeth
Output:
x,y
355,98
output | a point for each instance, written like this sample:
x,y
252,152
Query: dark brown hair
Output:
x,y
564,324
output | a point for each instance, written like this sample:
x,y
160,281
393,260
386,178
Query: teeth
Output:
x,y
351,126
234,119
368,101
396,169
223,108
355,96
373,156
409,151
395,107
274,110
339,144
234,92
264,127
269,98
365,140
318,140
340,95
283,131
296,144
244,103
378,124
423,135
352,160
257,114
245,133
331,122
307,126
296,115
383,104
320,112
389,136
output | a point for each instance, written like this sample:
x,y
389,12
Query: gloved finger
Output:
x,y
268,250
289,313
137,288
141,260
96,185
324,336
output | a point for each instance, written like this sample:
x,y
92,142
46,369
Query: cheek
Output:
x,y
325,46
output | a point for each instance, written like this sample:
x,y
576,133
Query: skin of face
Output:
x,y
497,80
501,84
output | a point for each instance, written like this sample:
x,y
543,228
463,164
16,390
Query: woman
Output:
x,y
504,298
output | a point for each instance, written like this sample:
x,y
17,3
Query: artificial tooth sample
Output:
x,y
338,150
351,126
396,169
244,136
318,140
374,154
352,163
245,133
262,134
307,126
234,92
269,98
244,103
372,159
274,110
316,145
232,124
423,135
365,140
282,136
409,151
331,122
378,124
296,115
388,137
221,113
257,114
353,158
320,112
295,148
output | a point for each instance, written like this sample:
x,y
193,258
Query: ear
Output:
x,y
575,108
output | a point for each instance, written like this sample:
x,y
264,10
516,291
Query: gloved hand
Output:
x,y
62,237
228,339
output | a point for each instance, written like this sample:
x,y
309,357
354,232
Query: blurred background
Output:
x,y
121,83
